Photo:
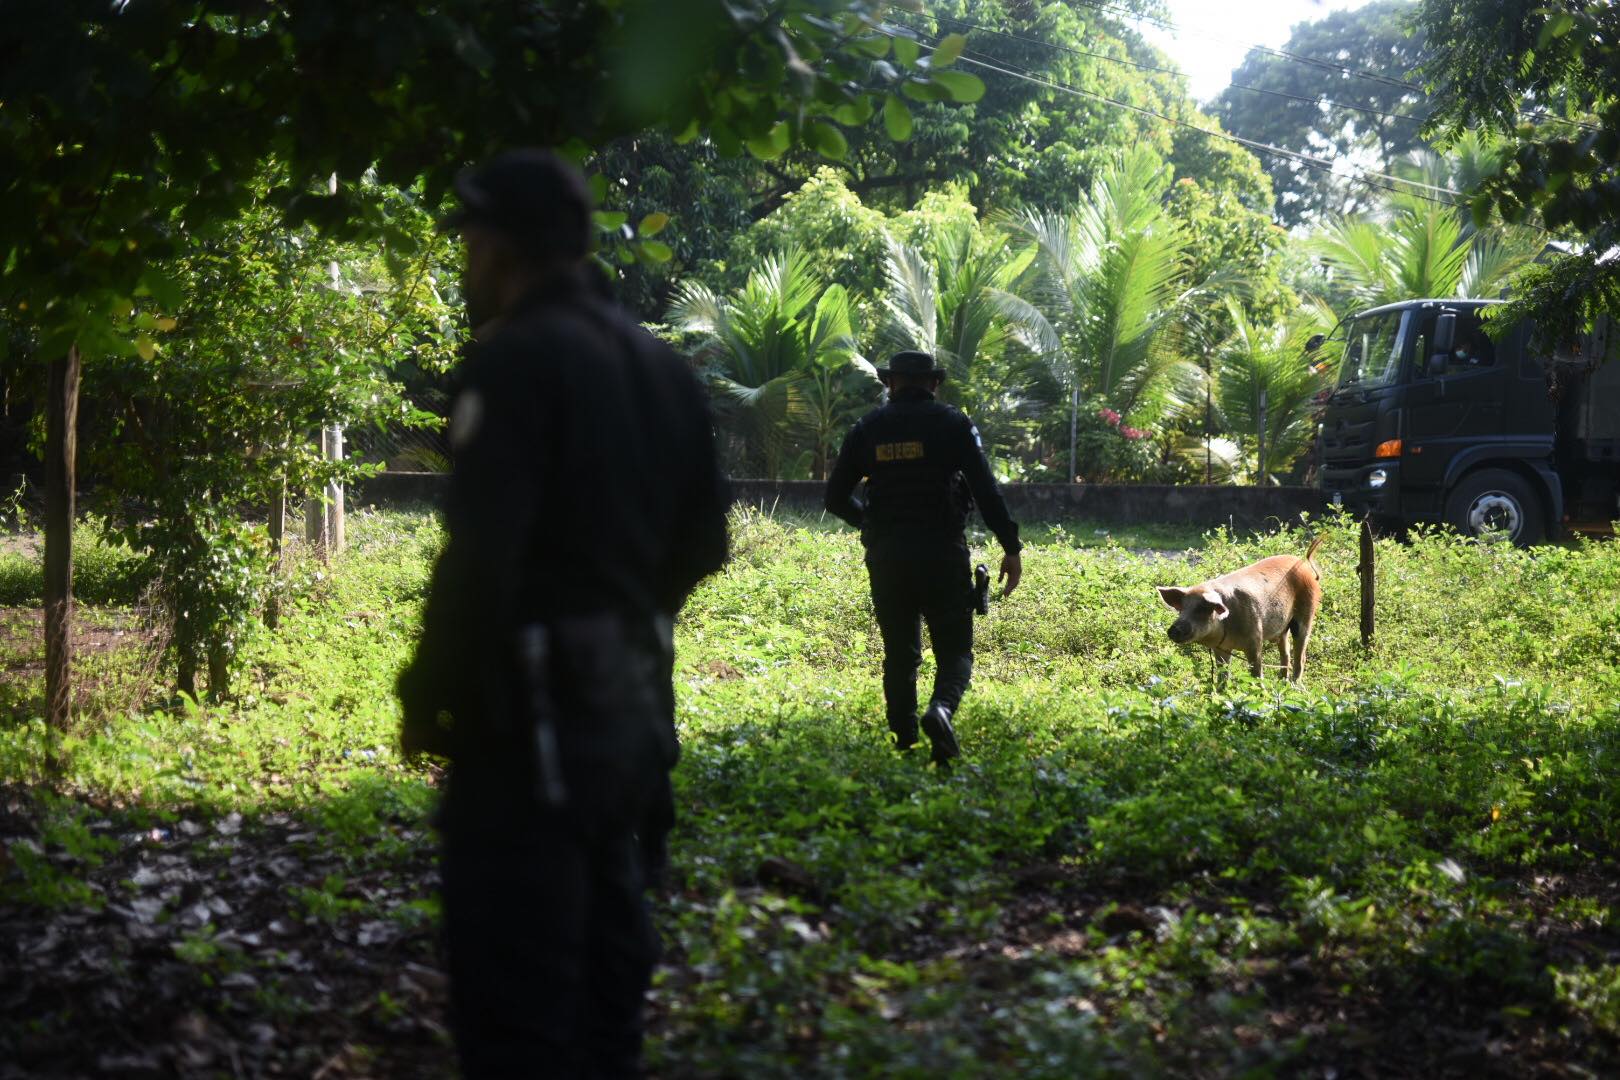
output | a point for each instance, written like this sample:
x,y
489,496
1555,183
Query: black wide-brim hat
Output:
x,y
912,362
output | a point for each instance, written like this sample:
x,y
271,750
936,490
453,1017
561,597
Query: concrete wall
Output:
x,y
1108,504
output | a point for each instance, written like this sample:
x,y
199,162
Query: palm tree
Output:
x,y
1109,277
1421,246
1268,385
951,298
779,357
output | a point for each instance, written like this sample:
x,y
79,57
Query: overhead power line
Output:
x,y
1313,61
940,20
1361,174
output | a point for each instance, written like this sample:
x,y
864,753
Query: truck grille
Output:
x,y
1347,441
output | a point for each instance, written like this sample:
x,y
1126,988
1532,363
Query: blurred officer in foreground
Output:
x,y
924,469
586,503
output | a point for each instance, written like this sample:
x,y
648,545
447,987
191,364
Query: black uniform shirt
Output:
x,y
915,453
585,481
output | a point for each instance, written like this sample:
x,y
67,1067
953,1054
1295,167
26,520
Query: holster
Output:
x,y
594,713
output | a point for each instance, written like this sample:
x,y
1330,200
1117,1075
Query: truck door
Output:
x,y
1452,406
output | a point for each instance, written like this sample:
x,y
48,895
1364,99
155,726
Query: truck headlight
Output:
x,y
1377,478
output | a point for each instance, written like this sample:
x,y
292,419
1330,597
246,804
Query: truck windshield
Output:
x,y
1371,349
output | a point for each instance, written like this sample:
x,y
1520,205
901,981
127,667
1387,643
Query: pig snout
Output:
x,y
1180,632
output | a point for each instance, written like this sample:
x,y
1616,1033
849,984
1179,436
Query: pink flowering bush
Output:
x,y
1110,450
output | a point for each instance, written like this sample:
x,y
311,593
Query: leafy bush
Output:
x,y
105,571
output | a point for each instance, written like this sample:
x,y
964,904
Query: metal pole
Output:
x,y
1074,432
1261,479
1209,422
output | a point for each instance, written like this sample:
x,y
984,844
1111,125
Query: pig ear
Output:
x,y
1172,596
1213,599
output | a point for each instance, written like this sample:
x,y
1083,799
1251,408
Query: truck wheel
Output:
x,y
1496,502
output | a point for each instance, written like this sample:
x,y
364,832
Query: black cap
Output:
x,y
912,362
532,196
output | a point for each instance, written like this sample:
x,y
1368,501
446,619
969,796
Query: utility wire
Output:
x,y
1076,51
1361,174
1313,61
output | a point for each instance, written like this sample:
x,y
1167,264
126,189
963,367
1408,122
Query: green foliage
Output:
x,y
780,359
1377,118
1131,873
1489,58
1417,248
215,95
823,217
947,294
280,334
1265,374
105,571
1109,279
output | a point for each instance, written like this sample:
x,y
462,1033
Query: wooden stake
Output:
x,y
323,512
1366,567
334,506
61,452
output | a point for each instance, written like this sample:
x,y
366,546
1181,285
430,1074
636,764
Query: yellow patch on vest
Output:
x,y
900,451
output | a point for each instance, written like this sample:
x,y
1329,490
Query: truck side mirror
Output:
x,y
1314,343
1445,335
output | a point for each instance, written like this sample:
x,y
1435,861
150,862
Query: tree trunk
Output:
x,y
278,536
61,451
219,674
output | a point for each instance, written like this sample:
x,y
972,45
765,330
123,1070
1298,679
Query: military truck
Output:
x,y
1434,421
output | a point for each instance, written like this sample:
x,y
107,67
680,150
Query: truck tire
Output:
x,y
1499,502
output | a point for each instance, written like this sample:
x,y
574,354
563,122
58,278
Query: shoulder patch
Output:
x,y
465,417
974,429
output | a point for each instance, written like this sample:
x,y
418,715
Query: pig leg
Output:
x,y
1256,668
1301,630
1220,667
1282,649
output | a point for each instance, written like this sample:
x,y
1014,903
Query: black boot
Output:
x,y
905,732
936,723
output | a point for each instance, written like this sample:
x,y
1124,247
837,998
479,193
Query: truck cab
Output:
x,y
1434,421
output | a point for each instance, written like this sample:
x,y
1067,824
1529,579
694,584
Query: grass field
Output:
x,y
1404,867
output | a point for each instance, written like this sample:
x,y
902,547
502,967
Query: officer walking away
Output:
x,y
924,469
585,505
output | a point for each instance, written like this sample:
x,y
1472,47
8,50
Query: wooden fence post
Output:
x,y
1366,567
323,512
334,492
61,451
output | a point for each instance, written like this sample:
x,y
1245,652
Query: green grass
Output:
x,y
1408,863
105,571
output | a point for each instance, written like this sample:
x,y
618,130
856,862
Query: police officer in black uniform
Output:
x,y
586,503
924,469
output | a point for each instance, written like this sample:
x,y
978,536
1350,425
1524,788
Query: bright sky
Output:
x,y
1237,24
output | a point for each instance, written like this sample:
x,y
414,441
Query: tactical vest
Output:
x,y
914,473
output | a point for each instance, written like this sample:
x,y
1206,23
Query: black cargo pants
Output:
x,y
913,584
550,942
